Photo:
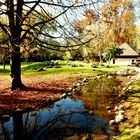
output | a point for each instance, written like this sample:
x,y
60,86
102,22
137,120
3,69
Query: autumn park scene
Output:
x,y
69,70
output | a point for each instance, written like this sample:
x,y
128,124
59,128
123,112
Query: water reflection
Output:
x,y
100,93
67,118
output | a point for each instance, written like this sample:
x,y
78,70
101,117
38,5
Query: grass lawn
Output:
x,y
66,67
40,71
72,68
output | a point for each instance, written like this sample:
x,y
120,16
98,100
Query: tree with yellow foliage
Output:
x,y
114,23
119,17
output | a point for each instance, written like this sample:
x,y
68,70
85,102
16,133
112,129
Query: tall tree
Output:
x,y
119,17
44,15
92,28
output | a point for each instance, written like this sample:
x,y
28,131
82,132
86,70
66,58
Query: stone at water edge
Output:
x,y
84,80
112,122
119,117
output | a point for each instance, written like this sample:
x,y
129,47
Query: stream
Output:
x,y
82,116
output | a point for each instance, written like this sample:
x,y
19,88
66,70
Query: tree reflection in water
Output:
x,y
66,118
101,93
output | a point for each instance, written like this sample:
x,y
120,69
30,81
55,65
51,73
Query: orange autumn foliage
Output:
x,y
90,17
119,17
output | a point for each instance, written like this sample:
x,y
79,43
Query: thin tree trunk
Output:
x,y
100,57
4,58
113,60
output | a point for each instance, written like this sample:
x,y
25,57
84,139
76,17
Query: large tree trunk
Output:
x,y
15,17
16,82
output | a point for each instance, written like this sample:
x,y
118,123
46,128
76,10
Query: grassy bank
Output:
x,y
72,68
57,69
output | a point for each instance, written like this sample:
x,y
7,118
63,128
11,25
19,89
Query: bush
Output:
x,y
52,64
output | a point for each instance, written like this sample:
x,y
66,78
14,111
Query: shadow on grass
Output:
x,y
4,71
34,66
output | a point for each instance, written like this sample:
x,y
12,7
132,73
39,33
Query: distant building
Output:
x,y
128,56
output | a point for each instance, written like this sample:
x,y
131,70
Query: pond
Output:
x,y
83,116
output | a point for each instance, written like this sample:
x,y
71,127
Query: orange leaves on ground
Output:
x,y
36,94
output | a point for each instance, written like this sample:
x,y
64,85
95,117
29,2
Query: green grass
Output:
x,y
80,68
5,71
32,66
